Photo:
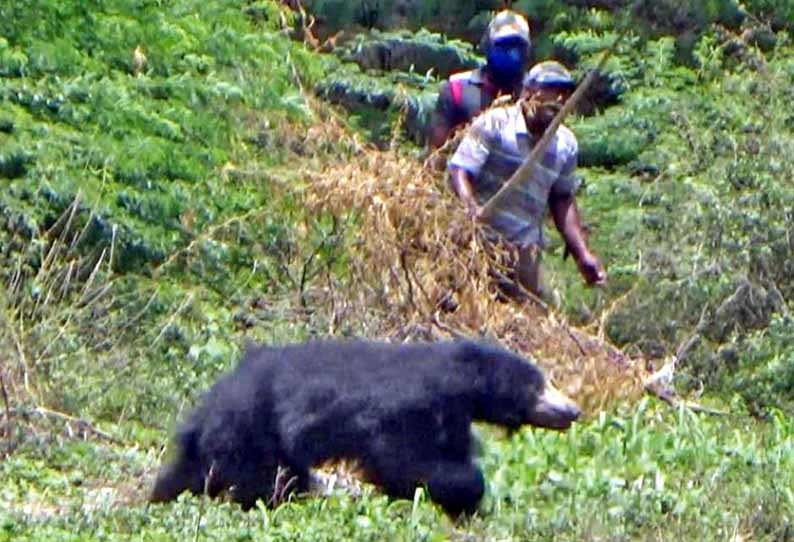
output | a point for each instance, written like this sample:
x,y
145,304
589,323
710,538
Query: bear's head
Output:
x,y
517,393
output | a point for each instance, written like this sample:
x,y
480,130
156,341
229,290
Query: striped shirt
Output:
x,y
493,149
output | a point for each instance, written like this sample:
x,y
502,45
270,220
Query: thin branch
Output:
x,y
683,350
60,416
657,383
460,335
92,276
5,400
200,516
779,294
305,275
671,399
173,317
407,276
67,216
283,485
574,338
204,236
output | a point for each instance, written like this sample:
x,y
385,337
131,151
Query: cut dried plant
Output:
x,y
420,269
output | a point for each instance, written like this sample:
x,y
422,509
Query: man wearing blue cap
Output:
x,y
506,45
495,147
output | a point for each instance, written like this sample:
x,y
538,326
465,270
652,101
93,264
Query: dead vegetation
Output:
x,y
39,304
414,269
418,270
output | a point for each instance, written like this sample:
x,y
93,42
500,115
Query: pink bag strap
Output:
x,y
456,87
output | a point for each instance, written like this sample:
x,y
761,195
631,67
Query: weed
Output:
x,y
171,191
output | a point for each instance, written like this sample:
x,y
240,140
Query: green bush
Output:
x,y
139,141
761,368
151,222
779,13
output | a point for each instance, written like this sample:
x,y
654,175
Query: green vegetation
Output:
x,y
421,52
642,474
153,160
702,210
141,205
139,111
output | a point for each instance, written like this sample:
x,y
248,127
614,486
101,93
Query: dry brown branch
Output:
x,y
206,235
607,313
669,397
447,329
659,383
6,402
82,425
418,268
172,318
200,516
282,486
574,339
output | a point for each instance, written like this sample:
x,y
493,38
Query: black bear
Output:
x,y
402,411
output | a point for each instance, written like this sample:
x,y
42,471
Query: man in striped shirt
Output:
x,y
496,145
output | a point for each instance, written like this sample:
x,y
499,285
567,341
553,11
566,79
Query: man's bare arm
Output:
x,y
438,133
566,217
460,181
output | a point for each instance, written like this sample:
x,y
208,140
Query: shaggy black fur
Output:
x,y
403,411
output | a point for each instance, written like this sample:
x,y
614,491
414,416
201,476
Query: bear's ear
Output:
x,y
473,352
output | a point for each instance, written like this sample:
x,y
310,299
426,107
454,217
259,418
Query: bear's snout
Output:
x,y
554,410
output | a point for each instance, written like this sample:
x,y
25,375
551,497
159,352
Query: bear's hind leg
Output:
x,y
181,475
246,481
251,487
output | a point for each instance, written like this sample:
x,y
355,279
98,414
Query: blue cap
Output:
x,y
549,74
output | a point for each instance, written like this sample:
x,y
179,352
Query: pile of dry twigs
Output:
x,y
418,270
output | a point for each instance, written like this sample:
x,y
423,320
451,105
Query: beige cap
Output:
x,y
508,24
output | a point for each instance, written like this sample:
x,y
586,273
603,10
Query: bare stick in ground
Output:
x,y
200,516
6,404
657,383
283,485
666,395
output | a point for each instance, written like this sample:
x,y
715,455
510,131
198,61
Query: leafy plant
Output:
x,y
156,160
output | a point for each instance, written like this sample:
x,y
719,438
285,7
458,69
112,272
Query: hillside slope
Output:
x,y
172,188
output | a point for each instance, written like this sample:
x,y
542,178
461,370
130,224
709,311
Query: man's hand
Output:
x,y
473,209
591,269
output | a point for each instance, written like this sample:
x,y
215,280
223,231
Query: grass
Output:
x,y
157,214
643,473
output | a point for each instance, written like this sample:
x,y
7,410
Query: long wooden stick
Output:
x,y
537,151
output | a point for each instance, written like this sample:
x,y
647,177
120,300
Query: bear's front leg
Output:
x,y
456,486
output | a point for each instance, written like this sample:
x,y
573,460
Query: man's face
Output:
x,y
547,94
542,105
507,58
